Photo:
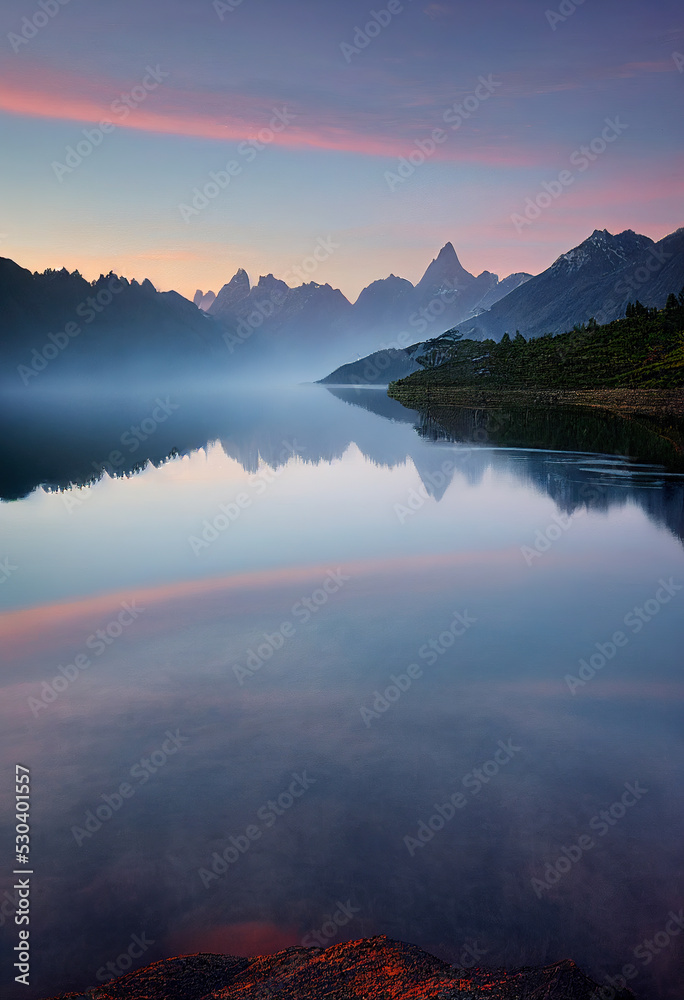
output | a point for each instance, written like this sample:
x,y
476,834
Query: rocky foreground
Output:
x,y
371,969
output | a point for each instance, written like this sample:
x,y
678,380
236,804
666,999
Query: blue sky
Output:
x,y
220,76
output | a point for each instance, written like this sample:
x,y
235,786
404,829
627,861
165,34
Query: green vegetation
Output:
x,y
648,438
644,350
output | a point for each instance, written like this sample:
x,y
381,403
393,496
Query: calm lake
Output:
x,y
335,669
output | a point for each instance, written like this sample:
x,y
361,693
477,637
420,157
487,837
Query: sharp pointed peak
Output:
x,y
599,235
240,278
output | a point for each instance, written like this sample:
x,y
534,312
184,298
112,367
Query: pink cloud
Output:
x,y
235,118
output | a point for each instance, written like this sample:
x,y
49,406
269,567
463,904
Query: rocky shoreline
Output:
x,y
632,401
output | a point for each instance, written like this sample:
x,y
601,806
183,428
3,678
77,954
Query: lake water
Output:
x,y
318,676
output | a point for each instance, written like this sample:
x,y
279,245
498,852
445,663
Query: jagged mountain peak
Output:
x,y
601,252
445,271
447,259
236,289
239,280
268,283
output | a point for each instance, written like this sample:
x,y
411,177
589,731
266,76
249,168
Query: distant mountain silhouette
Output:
x,y
499,291
448,281
56,324
204,299
320,324
384,304
113,328
596,279
379,368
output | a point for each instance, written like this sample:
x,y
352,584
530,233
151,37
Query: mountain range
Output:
x,y
374,967
596,279
56,325
320,319
115,328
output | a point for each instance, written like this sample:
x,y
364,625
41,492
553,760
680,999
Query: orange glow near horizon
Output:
x,y
183,259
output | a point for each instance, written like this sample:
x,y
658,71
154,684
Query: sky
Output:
x,y
253,133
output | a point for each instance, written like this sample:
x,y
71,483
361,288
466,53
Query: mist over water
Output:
x,y
297,562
